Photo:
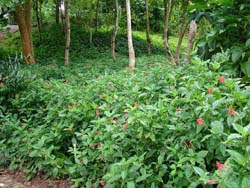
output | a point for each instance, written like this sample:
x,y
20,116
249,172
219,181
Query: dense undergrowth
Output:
x,y
101,126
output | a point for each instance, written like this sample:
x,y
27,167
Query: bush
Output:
x,y
162,127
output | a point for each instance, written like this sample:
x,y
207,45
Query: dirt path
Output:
x,y
11,179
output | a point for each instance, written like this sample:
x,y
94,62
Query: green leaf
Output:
x,y
199,171
142,178
237,157
217,127
234,136
245,67
131,184
202,154
236,54
248,43
245,182
239,129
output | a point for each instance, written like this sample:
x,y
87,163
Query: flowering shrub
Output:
x,y
160,127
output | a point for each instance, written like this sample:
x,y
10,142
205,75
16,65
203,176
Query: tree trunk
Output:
x,y
96,15
38,19
130,40
25,31
191,36
58,3
113,39
183,28
148,29
28,21
67,33
167,18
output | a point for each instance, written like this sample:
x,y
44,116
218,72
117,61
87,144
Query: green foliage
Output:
x,y
129,130
230,25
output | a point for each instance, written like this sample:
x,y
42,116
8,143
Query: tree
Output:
x,y
24,21
183,28
67,33
148,29
113,38
38,19
167,18
191,36
96,15
57,10
130,40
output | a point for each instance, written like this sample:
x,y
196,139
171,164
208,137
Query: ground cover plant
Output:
x,y
92,104
161,127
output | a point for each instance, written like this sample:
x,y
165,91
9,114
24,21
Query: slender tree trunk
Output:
x,y
113,38
96,15
38,19
57,11
130,40
22,17
183,28
67,33
28,21
148,29
91,35
191,37
63,21
167,18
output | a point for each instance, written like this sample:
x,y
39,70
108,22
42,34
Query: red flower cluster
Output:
x,y
97,114
93,146
178,110
102,183
219,166
230,112
222,79
200,121
211,182
188,144
210,90
124,127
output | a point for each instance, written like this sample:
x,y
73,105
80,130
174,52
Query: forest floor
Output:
x,y
15,179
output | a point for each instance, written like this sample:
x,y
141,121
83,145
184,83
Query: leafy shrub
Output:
x,y
161,127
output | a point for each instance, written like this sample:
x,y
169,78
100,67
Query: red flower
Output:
x,y
200,121
210,90
125,127
230,112
219,166
211,182
116,120
190,143
222,79
178,110
102,183
97,114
